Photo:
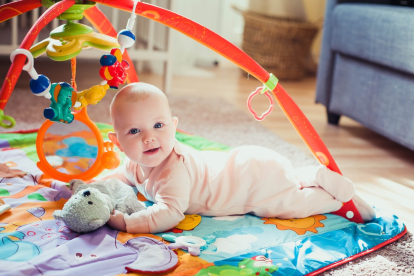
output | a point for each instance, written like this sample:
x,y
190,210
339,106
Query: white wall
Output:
x,y
220,17
216,15
283,8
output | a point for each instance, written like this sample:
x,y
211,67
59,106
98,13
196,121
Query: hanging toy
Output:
x,y
61,94
114,68
63,97
126,39
89,96
270,85
39,84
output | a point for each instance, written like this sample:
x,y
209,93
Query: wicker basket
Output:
x,y
279,45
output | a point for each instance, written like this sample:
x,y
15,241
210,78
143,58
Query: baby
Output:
x,y
180,180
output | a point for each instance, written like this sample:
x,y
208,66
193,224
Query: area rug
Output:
x,y
219,121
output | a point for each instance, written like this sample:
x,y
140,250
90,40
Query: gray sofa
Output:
x,y
366,68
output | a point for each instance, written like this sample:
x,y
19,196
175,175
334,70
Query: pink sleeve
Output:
x,y
172,192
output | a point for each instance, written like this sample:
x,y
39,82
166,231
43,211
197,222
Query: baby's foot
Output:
x,y
367,211
335,184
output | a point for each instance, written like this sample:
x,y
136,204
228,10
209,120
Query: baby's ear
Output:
x,y
112,136
175,121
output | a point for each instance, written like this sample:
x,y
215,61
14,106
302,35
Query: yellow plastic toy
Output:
x,y
89,96
67,41
189,222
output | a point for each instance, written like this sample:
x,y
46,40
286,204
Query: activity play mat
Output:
x,y
35,169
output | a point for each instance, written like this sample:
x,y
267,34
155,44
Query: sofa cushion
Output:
x,y
378,33
380,98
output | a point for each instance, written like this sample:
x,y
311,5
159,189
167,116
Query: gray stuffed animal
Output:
x,y
91,204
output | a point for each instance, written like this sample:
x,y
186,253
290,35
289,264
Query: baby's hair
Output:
x,y
137,91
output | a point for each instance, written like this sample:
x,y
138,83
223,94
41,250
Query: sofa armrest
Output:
x,y
326,60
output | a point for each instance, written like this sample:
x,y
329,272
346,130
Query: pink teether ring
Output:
x,y
249,104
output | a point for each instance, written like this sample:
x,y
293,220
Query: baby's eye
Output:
x,y
133,131
158,125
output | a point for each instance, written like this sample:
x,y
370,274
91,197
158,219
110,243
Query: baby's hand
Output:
x,y
117,222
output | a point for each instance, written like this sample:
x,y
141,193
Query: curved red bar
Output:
x,y
17,66
15,8
104,26
314,143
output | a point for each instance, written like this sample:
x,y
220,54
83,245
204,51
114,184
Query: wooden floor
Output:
x,y
382,170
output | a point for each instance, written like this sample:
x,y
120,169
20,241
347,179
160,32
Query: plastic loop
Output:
x,y
4,119
249,104
29,66
131,20
190,241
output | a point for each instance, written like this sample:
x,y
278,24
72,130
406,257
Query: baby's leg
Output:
x,y
335,184
308,202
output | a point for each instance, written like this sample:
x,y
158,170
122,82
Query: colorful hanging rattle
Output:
x,y
113,68
85,157
66,42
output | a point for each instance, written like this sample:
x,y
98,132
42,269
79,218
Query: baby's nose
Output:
x,y
149,139
86,193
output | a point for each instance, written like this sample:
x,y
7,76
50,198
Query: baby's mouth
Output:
x,y
152,151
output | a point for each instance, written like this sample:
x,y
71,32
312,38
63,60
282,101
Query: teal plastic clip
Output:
x,y
270,84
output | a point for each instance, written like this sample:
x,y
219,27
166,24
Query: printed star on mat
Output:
x,y
6,172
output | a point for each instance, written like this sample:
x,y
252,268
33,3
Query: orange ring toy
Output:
x,y
106,158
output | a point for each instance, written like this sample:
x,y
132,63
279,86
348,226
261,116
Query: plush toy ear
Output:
x,y
96,223
57,214
74,184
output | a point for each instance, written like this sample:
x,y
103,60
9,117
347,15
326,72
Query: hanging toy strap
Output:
x,y
73,68
39,84
268,86
113,67
126,37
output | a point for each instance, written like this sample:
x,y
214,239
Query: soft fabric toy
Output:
x,y
91,204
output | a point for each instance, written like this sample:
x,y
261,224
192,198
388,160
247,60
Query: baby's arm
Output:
x,y
162,216
116,221
171,194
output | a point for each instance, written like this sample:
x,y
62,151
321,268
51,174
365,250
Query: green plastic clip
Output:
x,y
270,84
6,121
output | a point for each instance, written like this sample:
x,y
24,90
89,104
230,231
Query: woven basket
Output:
x,y
279,45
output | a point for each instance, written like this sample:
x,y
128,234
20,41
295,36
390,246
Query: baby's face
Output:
x,y
145,129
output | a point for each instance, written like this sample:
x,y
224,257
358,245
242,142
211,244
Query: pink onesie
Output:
x,y
247,179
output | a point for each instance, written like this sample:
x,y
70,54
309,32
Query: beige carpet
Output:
x,y
219,121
